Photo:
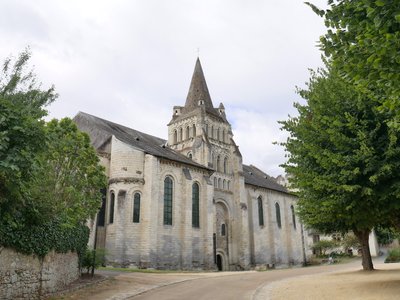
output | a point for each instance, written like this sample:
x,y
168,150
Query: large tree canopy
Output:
x,y
363,42
343,158
69,178
50,177
22,135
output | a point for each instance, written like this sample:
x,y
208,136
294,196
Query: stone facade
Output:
x,y
28,277
189,202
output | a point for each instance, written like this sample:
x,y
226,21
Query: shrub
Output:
x,y
93,259
386,235
325,245
393,256
350,241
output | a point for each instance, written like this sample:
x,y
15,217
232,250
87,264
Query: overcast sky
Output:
x,y
130,62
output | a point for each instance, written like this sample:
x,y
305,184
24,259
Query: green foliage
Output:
x,y
325,245
41,239
386,235
22,133
69,179
363,41
352,174
50,179
350,241
393,256
343,157
93,259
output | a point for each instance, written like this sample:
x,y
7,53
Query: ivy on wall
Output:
x,y
39,240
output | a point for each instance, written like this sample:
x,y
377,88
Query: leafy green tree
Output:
x,y
386,235
324,245
363,42
69,177
343,158
22,134
50,177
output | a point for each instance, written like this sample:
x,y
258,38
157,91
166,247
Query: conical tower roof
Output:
x,y
198,90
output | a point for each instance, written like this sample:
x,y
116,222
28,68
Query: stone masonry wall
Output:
x,y
272,245
28,277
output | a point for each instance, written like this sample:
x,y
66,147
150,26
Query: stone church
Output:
x,y
189,202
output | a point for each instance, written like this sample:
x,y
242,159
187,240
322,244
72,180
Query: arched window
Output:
x,y
212,132
223,229
181,134
260,211
136,208
102,212
194,130
206,129
175,136
223,135
215,182
212,159
187,132
190,155
229,185
219,183
278,215
218,167
195,206
217,137
168,192
111,211
225,165
293,216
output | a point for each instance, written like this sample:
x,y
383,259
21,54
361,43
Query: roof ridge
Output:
x,y
147,143
120,125
256,177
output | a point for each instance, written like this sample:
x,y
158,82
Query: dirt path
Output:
x,y
212,285
354,284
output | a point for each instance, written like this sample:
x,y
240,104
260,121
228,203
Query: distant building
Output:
x,y
188,202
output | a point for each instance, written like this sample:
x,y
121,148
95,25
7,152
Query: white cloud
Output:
x,y
132,61
255,133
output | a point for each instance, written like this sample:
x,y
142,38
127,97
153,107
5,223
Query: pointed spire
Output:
x,y
198,94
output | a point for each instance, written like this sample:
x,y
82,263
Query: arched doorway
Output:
x,y
222,229
219,262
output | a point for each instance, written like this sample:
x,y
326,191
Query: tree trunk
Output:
x,y
363,237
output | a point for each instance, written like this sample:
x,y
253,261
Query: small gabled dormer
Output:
x,y
177,111
221,109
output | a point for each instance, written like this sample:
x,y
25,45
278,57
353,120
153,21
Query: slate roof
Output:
x,y
101,131
198,90
256,177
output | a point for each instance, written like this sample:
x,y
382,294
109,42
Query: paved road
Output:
x,y
238,286
196,286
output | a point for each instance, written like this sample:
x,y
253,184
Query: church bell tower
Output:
x,y
199,130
